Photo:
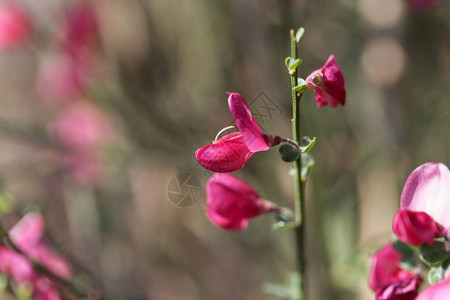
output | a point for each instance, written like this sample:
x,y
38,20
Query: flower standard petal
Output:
x,y
253,137
427,189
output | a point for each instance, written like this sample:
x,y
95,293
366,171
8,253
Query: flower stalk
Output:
x,y
299,183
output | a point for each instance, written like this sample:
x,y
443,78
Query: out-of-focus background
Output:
x,y
104,103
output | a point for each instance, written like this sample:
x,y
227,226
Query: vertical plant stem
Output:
x,y
299,184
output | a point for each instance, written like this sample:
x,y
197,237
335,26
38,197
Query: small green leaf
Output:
x,y
436,274
307,144
434,254
307,165
299,34
288,153
403,248
292,64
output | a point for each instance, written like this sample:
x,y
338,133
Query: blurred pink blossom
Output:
x,y
15,25
328,83
231,202
81,126
87,168
60,79
80,30
27,234
423,5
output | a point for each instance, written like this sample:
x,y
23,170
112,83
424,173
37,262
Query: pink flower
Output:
x,y
251,133
416,228
227,154
231,152
80,30
81,127
27,233
60,78
406,289
87,168
385,268
15,25
328,84
438,291
427,189
423,5
231,202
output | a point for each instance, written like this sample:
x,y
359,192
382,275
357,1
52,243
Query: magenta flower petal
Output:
x,y
415,228
28,231
254,138
384,267
427,189
438,291
228,154
406,289
54,262
231,202
328,84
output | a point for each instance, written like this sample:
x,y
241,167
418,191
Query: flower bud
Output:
x,y
231,202
328,84
384,267
415,228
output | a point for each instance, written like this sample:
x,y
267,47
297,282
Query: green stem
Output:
x,y
42,269
299,184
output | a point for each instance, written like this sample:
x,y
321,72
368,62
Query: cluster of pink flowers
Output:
x,y
231,202
27,236
61,81
424,217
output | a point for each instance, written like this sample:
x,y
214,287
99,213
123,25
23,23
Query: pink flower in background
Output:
x,y
438,291
253,137
416,228
328,84
423,5
227,154
87,168
81,29
15,25
81,127
27,234
427,190
231,202
60,79
406,289
385,268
